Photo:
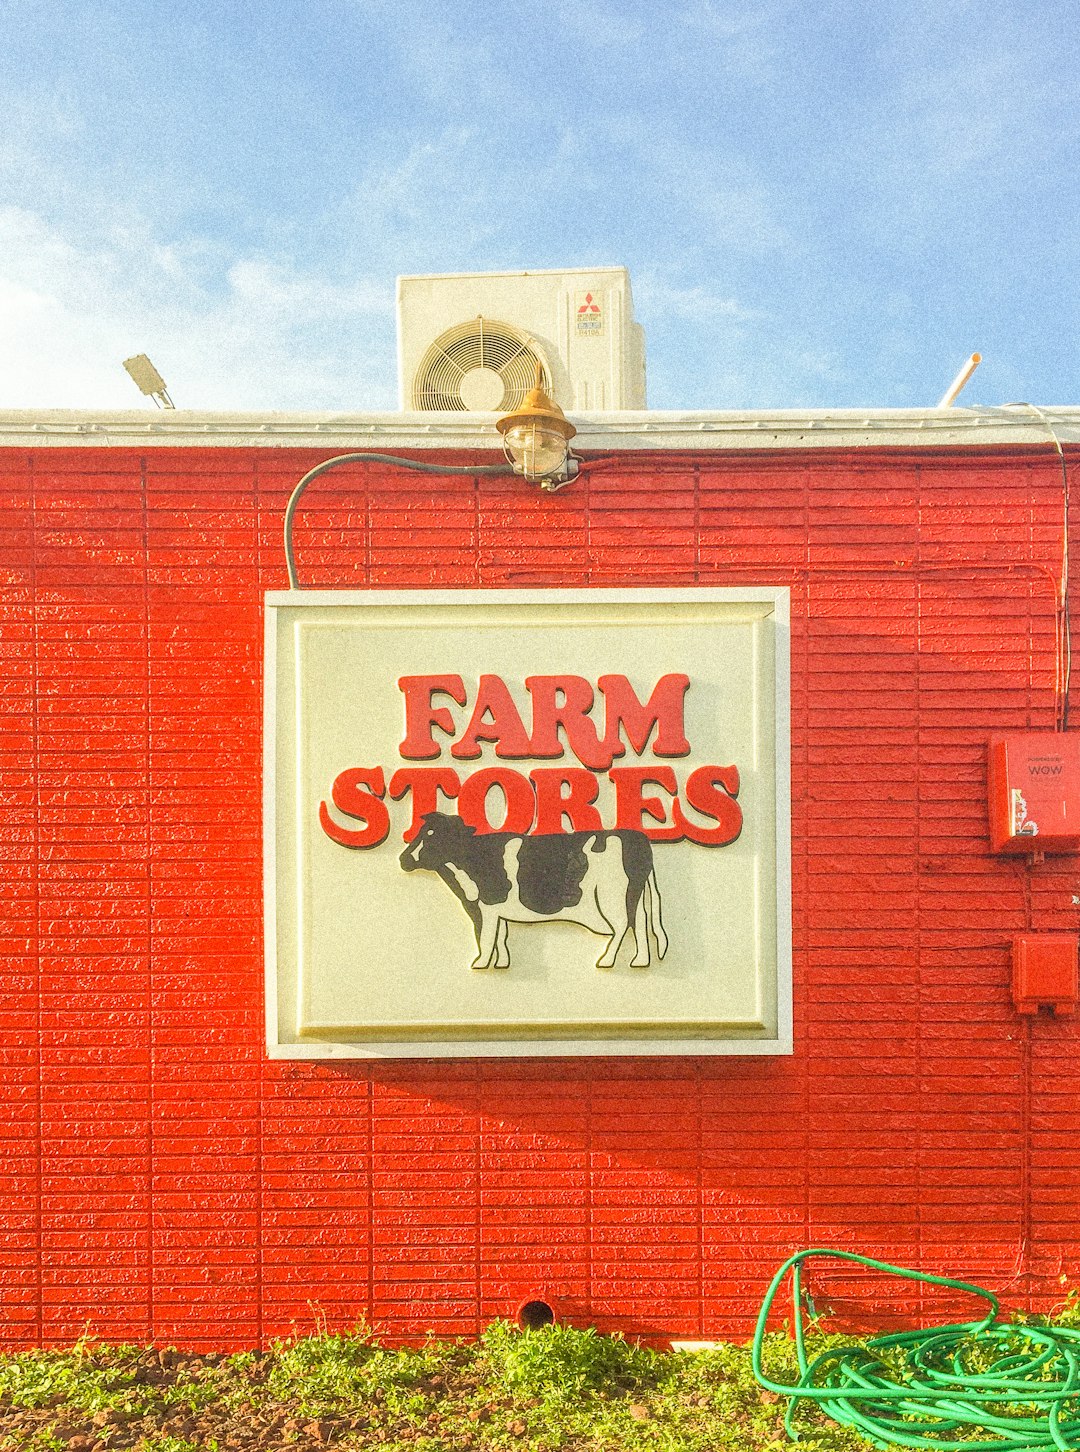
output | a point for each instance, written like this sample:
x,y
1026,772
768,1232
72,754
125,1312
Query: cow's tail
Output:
x,y
656,921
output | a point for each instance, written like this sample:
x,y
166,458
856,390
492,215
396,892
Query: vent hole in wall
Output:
x,y
534,1315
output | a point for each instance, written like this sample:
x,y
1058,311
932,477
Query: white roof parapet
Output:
x,y
597,432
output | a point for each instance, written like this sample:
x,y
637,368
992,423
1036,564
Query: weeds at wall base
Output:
x,y
556,1390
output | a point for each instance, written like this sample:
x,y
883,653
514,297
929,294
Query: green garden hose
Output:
x,y
987,1383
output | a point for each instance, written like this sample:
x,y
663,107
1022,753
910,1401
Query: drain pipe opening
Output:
x,y
534,1314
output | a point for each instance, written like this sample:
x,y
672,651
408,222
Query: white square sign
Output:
x,y
514,822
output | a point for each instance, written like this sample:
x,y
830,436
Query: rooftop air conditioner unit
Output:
x,y
471,341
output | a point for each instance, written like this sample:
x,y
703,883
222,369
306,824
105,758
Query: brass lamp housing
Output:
x,y
536,439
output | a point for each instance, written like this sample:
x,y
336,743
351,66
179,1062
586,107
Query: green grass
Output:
x,y
556,1390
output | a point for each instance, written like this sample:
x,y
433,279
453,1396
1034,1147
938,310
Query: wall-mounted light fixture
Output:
x,y
536,439
148,380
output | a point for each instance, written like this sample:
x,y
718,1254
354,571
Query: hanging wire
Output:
x,y
415,464
1063,653
1064,627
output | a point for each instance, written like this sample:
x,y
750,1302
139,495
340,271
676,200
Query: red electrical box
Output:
x,y
1034,790
1044,972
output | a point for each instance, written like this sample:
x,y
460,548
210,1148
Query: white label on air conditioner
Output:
x,y
589,312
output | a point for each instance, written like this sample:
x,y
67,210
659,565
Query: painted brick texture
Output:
x,y
161,1179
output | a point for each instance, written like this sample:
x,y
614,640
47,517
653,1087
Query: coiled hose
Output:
x,y
982,1383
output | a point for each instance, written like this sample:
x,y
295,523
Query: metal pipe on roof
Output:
x,y
950,395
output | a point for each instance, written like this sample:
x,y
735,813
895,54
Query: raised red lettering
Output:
x,y
425,783
356,793
503,726
552,806
421,715
631,803
711,790
516,790
663,709
565,701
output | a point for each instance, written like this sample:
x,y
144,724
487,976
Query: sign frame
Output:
x,y
281,1047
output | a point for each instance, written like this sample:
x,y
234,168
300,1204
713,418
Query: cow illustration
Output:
x,y
602,880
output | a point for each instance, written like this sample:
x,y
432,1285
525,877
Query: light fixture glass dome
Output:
x,y
536,451
537,437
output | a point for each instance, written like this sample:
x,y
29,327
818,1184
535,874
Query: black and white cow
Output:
x,y
602,880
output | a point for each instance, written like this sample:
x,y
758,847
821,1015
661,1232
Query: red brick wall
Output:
x,y
161,1178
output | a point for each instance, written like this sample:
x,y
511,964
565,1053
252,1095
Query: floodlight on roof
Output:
x,y
148,380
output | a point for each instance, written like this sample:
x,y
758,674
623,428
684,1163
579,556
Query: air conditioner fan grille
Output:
x,y
480,343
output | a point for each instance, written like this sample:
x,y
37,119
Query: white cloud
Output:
x,y
653,296
227,332
443,61
965,114
423,184
743,41
970,115
722,198
600,23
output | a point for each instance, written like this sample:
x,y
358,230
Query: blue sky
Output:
x,y
820,206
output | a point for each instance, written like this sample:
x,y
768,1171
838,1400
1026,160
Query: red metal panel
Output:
x,y
1045,972
1034,792
163,1179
